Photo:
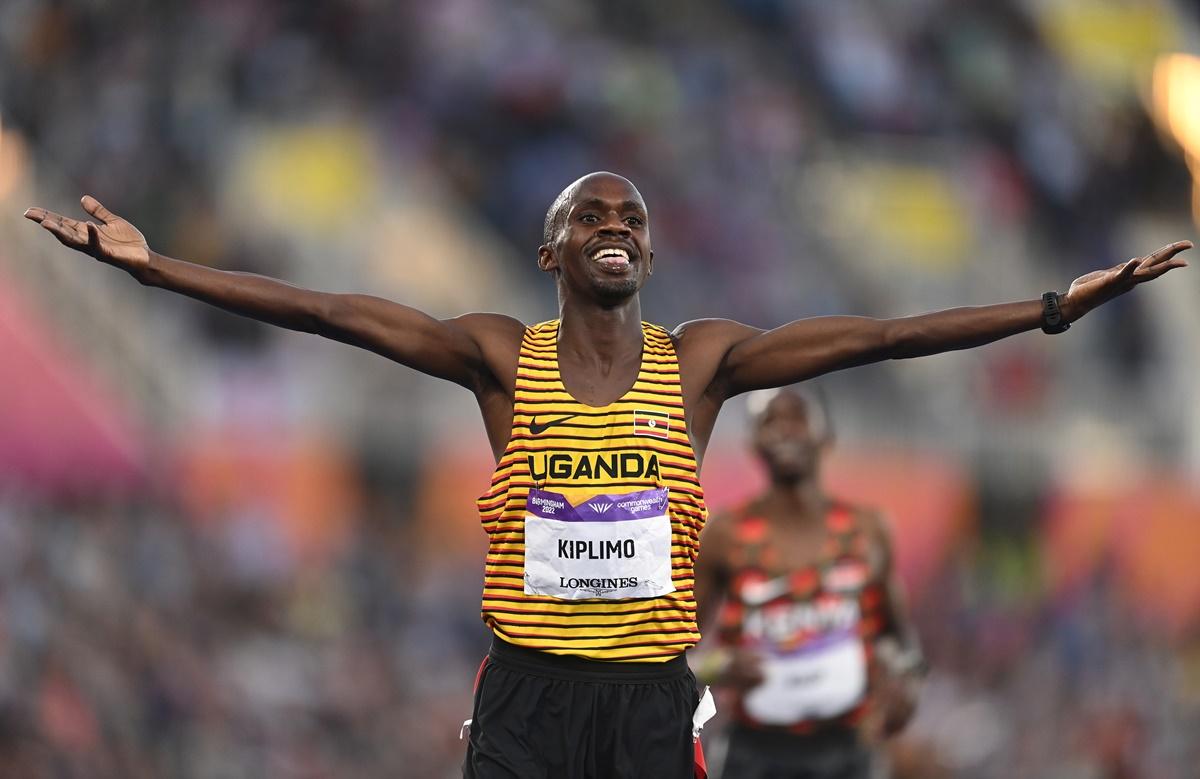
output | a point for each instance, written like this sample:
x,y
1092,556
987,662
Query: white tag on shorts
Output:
x,y
825,678
706,709
608,546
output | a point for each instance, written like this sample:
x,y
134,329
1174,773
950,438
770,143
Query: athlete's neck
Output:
x,y
601,336
801,502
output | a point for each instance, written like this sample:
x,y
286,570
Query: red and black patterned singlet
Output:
x,y
814,626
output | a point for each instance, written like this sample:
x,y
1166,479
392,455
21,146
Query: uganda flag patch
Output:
x,y
652,423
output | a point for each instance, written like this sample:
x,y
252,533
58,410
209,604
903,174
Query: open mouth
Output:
x,y
613,259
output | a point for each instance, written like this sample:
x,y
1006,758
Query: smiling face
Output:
x,y
598,239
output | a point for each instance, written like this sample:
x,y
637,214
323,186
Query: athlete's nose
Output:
x,y
613,225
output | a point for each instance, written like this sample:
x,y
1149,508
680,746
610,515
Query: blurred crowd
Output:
x,y
868,156
798,157
723,115
1026,683
136,643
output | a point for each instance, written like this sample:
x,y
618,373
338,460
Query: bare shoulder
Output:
x,y
486,326
712,333
703,345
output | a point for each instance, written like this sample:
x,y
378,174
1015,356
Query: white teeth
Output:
x,y
601,254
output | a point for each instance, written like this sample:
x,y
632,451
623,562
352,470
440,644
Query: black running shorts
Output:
x,y
543,716
766,754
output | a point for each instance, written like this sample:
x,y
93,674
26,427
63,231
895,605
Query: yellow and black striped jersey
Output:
x,y
561,447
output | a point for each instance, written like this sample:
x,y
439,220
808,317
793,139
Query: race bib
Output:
x,y
609,546
823,679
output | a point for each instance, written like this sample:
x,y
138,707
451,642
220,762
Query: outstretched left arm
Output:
x,y
810,347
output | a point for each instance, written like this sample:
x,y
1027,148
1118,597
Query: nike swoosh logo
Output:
x,y
538,429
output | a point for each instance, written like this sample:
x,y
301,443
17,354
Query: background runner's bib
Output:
x,y
825,678
609,546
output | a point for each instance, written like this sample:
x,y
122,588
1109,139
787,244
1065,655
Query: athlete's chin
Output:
x,y
612,291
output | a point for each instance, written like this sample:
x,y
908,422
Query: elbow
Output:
x,y
323,313
340,317
897,342
887,342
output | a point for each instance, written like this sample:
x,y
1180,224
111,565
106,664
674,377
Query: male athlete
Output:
x,y
598,423
815,639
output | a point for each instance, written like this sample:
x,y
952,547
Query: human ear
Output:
x,y
546,260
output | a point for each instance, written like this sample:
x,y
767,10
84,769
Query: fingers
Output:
x,y
94,207
1128,268
90,204
1177,247
93,236
72,232
69,232
1154,272
56,229
1159,262
1165,253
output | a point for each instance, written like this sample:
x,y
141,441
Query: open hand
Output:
x,y
1101,286
112,240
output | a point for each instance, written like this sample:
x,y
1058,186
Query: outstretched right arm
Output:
x,y
449,349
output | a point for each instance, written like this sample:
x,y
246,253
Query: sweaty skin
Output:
x,y
600,339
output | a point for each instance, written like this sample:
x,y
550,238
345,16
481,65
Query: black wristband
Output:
x,y
1052,318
